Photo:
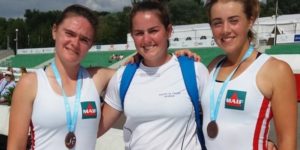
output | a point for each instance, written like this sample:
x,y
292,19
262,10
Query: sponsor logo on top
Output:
x,y
235,99
89,110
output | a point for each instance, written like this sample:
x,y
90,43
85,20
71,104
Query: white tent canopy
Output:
x,y
200,35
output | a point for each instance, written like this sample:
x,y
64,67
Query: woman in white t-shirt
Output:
x,y
159,113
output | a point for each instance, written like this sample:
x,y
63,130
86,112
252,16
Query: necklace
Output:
x,y
70,139
212,127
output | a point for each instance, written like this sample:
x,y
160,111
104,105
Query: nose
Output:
x,y
147,38
75,42
226,28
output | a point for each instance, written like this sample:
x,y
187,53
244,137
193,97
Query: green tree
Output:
x,y
39,28
288,6
113,27
12,25
284,7
186,12
35,29
3,33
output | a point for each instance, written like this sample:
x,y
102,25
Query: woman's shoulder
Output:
x,y
273,71
213,63
201,68
28,78
101,76
100,71
26,87
277,68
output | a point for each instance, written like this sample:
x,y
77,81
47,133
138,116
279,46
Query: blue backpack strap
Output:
x,y
189,76
126,80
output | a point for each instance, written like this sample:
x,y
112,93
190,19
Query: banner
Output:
x,y
297,38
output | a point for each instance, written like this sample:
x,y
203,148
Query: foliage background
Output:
x,y
35,27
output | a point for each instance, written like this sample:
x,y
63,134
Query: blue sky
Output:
x,y
16,8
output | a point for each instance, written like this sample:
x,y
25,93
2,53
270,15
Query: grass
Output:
x,y
103,58
284,49
93,59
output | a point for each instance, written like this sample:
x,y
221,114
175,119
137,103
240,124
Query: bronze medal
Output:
x,y
70,140
212,129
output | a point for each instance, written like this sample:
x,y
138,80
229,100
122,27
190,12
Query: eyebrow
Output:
x,y
85,38
80,35
231,17
151,28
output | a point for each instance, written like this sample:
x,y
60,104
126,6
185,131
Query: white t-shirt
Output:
x,y
158,109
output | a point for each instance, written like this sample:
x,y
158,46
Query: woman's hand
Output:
x,y
135,58
188,53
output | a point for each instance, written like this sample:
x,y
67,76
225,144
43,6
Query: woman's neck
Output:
x,y
157,62
236,57
67,71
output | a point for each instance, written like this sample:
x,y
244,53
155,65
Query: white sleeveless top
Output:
x,y
49,124
244,113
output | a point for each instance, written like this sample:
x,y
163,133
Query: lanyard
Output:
x,y
214,109
71,122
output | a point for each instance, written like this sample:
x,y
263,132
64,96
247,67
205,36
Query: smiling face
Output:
x,y
151,37
230,26
73,38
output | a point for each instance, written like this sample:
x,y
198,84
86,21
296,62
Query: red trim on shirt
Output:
x,y
261,117
297,77
265,142
32,135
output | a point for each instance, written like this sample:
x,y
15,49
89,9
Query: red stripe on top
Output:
x,y
267,129
297,77
261,117
32,135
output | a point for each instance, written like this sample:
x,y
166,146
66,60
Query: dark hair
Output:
x,y
23,70
78,10
251,10
11,69
151,5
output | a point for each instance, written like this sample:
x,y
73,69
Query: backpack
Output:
x,y
189,77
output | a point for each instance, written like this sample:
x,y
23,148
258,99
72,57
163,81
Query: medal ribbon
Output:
x,y
214,109
70,122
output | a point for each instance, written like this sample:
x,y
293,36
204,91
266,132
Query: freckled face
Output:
x,y
73,38
230,28
150,37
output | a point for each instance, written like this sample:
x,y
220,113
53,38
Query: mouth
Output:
x,y
227,39
73,51
149,47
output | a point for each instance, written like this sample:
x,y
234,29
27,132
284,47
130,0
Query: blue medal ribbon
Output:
x,y
71,122
214,108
